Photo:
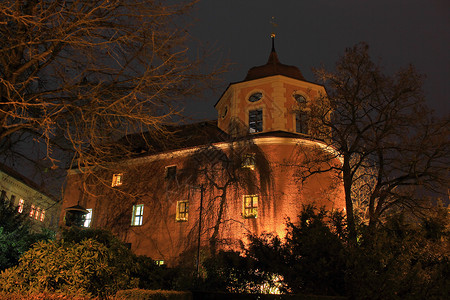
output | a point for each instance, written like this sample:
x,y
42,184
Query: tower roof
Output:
x,y
274,67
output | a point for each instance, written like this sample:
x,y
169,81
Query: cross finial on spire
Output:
x,y
272,35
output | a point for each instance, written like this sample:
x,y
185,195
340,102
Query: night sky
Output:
x,y
316,32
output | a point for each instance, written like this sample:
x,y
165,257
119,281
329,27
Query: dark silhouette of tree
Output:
x,y
389,144
77,75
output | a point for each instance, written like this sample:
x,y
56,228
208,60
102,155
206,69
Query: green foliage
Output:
x,y
311,260
400,260
139,294
16,235
83,268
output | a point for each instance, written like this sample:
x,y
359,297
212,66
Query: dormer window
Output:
x,y
248,161
117,180
255,120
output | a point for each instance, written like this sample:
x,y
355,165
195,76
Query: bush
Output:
x,y
139,294
86,268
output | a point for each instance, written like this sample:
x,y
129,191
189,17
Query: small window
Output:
x,y
248,161
138,215
42,215
182,211
301,122
21,203
117,180
159,262
32,210
301,100
255,121
37,214
171,172
88,218
250,206
255,97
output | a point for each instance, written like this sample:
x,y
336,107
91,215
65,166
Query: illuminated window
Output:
x,y
32,210
255,121
171,172
21,203
88,218
250,206
117,180
138,215
38,212
248,161
42,215
159,262
182,210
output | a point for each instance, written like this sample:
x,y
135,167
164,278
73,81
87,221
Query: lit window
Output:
x,y
38,212
255,121
171,172
21,203
159,262
88,218
117,180
42,215
32,210
249,161
182,210
250,206
138,215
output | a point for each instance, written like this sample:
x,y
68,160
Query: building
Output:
x,y
220,180
29,199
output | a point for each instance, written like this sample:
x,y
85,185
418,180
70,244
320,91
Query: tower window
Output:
x,y
301,122
182,210
250,206
255,120
138,215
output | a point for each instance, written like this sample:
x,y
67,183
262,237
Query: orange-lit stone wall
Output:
x,y
161,236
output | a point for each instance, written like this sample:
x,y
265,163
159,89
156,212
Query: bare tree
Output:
x,y
76,75
388,142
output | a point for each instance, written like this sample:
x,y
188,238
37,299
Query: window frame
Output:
x,y
248,161
88,218
256,125
170,175
250,211
182,216
21,205
117,180
137,214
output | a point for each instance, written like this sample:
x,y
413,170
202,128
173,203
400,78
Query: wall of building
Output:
x,y
275,179
45,209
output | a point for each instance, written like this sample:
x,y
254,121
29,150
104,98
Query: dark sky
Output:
x,y
316,32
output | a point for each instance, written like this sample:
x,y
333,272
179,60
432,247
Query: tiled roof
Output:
x,y
274,67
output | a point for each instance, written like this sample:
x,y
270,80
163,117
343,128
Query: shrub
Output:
x,y
71,268
139,294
